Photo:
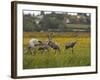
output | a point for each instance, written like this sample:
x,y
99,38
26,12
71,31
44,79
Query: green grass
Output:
x,y
80,57
78,26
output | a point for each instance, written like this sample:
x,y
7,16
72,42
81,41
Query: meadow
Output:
x,y
80,57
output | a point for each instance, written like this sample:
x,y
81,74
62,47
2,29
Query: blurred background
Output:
x,y
53,21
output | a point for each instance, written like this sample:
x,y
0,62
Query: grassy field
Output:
x,y
80,57
78,26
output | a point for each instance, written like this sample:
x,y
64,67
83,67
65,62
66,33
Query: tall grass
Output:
x,y
80,57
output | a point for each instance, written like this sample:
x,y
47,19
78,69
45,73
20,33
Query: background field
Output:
x,y
80,57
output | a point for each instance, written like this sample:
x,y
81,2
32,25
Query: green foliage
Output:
x,y
80,57
54,21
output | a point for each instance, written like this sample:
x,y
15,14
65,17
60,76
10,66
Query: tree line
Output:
x,y
54,21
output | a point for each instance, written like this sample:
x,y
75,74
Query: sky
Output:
x,y
47,12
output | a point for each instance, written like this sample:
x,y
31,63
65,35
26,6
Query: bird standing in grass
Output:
x,y
33,43
43,46
70,45
53,44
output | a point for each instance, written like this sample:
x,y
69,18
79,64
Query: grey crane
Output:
x,y
43,46
70,45
53,44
